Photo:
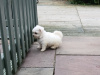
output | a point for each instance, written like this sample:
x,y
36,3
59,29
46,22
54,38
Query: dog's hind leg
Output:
x,y
54,47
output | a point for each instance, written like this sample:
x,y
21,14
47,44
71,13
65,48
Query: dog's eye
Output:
x,y
35,33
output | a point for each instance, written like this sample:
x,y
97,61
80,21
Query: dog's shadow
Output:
x,y
47,49
39,49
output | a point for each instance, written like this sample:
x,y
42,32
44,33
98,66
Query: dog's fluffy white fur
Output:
x,y
47,39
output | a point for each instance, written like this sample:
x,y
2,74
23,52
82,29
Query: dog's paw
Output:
x,y
42,50
38,47
53,47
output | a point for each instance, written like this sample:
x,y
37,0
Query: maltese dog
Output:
x,y
47,39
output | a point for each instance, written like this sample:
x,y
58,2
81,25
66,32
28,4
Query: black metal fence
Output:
x,y
17,18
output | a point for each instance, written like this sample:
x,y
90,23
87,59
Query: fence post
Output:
x,y
15,10
33,15
25,23
35,12
31,21
4,39
21,25
11,35
1,65
28,22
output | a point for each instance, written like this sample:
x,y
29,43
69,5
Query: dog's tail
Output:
x,y
59,33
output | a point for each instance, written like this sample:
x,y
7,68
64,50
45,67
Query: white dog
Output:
x,y
47,39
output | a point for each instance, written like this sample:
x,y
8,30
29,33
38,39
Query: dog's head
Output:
x,y
37,31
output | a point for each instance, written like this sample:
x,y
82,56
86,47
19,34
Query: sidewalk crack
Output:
x,y
82,29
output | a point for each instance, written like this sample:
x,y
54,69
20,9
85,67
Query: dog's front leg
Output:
x,y
44,47
39,46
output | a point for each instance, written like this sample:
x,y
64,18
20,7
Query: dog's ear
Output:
x,y
41,29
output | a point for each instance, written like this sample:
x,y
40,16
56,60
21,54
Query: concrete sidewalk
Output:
x,y
76,56
80,50
72,20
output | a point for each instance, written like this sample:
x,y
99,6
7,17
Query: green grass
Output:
x,y
85,2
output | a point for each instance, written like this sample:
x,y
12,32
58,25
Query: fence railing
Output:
x,y
17,18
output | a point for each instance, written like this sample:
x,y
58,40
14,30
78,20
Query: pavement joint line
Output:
x,y
60,21
50,5
76,55
54,62
53,71
36,67
80,20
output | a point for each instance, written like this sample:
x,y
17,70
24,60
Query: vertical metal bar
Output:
x,y
28,22
31,13
4,39
21,27
25,24
31,25
11,36
17,31
1,65
35,12
33,16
